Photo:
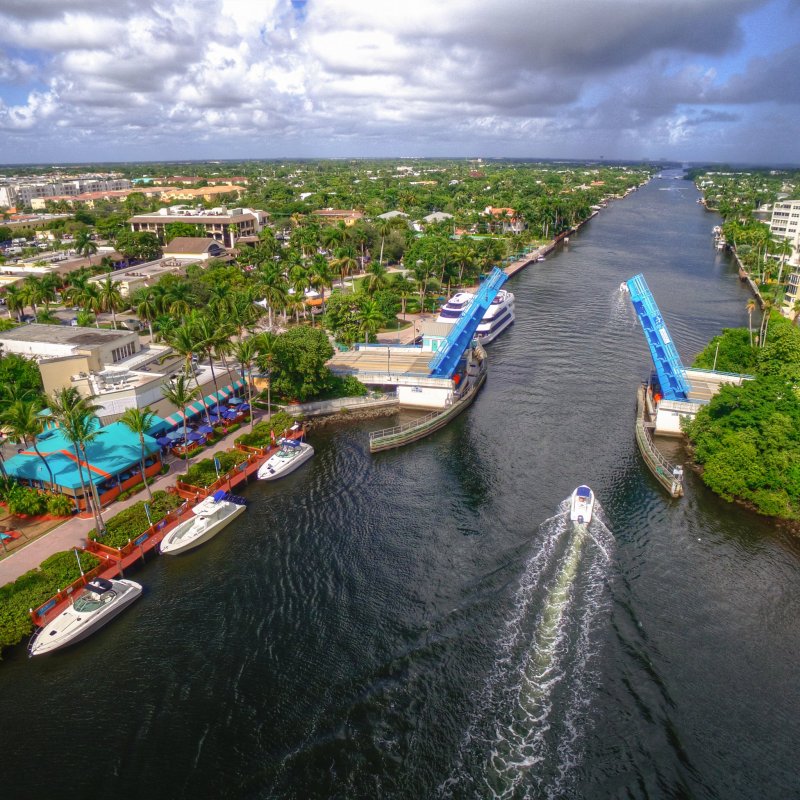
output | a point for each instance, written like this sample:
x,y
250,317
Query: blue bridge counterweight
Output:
x,y
444,363
670,371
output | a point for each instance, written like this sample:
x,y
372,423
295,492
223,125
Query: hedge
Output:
x,y
203,474
260,435
34,588
132,522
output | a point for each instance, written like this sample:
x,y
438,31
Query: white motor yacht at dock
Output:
x,y
99,602
497,318
582,505
210,517
290,456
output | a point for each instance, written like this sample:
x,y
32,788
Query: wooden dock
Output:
x,y
670,476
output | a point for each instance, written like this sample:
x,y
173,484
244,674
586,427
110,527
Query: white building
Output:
x,y
785,223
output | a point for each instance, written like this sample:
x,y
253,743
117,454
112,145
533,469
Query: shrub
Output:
x,y
203,473
22,500
132,522
59,505
34,588
260,435
7,484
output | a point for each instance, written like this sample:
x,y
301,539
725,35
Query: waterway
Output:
x,y
426,624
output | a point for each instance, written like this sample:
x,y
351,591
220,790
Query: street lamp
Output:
x,y
389,360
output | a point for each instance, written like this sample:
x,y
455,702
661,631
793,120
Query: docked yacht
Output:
x,y
497,318
100,601
582,505
291,454
210,517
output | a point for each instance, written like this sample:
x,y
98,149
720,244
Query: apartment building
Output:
x,y
23,192
785,223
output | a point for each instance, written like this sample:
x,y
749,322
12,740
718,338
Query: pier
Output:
x,y
670,476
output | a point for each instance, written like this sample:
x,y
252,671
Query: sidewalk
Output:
x,y
73,532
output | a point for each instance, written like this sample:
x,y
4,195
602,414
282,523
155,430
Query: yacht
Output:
x,y
100,601
291,454
210,517
497,318
582,505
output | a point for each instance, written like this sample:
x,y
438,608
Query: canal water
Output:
x,y
426,624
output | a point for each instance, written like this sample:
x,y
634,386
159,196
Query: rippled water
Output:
x,y
425,622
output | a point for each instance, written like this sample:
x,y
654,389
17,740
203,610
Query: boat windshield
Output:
x,y
91,602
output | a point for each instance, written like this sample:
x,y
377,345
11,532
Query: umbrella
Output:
x,y
244,407
229,414
205,429
234,401
172,435
196,437
162,441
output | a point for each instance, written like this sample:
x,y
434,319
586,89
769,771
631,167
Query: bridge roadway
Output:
x,y
391,360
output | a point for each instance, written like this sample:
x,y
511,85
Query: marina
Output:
x,y
430,621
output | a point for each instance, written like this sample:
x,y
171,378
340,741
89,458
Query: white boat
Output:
x,y
210,517
581,506
497,318
291,454
99,602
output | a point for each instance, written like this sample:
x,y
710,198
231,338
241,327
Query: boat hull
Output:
x,y
264,473
582,505
43,642
173,544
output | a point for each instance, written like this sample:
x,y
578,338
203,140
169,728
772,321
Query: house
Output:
x,y
507,219
331,216
194,248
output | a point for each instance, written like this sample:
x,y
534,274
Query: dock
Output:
x,y
670,476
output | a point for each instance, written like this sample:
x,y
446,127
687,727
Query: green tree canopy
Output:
x,y
299,370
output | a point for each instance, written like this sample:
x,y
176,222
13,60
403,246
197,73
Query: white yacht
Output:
x,y
210,517
99,602
497,318
291,454
582,505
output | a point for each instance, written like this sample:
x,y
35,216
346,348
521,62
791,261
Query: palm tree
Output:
x,y
22,419
140,421
371,319
751,307
377,278
110,298
85,319
189,341
178,392
267,344
15,301
245,351
383,227
766,309
146,308
84,245
76,417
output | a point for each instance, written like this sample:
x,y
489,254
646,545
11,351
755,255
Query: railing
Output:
x,y
670,476
407,426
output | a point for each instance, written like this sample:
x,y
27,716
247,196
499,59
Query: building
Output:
x,y
785,224
208,193
24,192
89,199
332,216
792,296
113,463
195,248
392,215
506,219
226,226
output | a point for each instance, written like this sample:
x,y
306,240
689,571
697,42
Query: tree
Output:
x,y
299,367
371,320
78,421
138,245
21,417
174,229
15,301
140,421
180,394
84,245
110,298
751,307
144,303
245,352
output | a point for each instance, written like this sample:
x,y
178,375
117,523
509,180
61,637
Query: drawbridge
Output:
x,y
669,369
444,363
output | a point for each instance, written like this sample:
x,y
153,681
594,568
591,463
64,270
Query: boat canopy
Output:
x,y
583,491
219,495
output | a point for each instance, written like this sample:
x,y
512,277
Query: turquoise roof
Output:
x,y
116,449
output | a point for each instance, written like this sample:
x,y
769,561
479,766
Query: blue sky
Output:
x,y
180,79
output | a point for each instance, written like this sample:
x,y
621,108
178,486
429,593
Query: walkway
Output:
x,y
74,531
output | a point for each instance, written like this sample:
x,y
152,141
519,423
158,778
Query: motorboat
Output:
x,y
623,287
497,318
291,454
582,505
210,517
99,602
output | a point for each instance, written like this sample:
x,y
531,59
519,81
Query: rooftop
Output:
x,y
63,334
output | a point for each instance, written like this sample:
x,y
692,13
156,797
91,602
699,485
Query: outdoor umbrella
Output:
x,y
244,407
229,414
194,436
163,441
173,435
205,429
234,401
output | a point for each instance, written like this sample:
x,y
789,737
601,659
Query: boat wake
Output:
x,y
622,311
525,736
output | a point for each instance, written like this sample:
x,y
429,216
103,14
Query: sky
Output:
x,y
129,80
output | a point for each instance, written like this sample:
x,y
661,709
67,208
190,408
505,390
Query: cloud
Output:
x,y
280,72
